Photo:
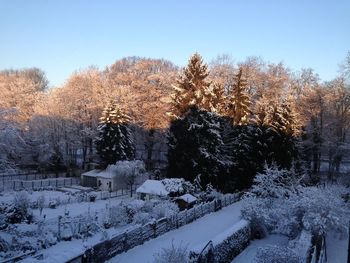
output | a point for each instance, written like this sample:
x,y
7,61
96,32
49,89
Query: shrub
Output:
x,y
276,254
19,211
173,254
283,206
165,209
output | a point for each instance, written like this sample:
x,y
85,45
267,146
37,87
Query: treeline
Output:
x,y
255,112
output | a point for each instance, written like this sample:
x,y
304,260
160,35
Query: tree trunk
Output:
x,y
149,148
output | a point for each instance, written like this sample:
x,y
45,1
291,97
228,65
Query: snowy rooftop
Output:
x,y
152,187
92,173
187,198
109,173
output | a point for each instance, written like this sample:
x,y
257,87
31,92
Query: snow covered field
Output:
x,y
191,235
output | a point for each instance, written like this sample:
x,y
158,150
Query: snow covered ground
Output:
x,y
337,249
191,235
249,253
76,209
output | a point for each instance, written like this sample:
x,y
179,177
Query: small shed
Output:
x,y
186,201
89,179
150,189
104,180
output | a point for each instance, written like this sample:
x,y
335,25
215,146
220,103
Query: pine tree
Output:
x,y
192,87
114,141
196,147
239,100
281,132
216,99
248,150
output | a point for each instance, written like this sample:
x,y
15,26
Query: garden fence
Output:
x,y
51,183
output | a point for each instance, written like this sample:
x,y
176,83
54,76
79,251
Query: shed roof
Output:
x,y
152,187
187,198
108,173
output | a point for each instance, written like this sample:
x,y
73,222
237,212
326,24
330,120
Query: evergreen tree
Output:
x,y
193,87
114,142
239,100
196,147
248,149
216,99
282,131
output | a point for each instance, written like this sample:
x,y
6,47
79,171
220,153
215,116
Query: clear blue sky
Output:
x,y
66,35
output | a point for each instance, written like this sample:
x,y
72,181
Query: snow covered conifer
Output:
x,y
114,141
239,100
196,147
193,87
282,131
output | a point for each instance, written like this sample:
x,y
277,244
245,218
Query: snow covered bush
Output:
x,y
210,194
52,204
41,203
46,239
142,218
129,171
3,219
276,254
165,209
4,246
177,186
173,254
19,211
279,204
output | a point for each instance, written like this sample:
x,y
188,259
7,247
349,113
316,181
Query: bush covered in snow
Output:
x,y
279,204
173,254
276,254
177,186
18,211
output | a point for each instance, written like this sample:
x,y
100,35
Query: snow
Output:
x,y
152,187
109,173
76,209
218,239
119,168
66,250
92,173
191,235
249,253
188,198
229,232
336,248
7,197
